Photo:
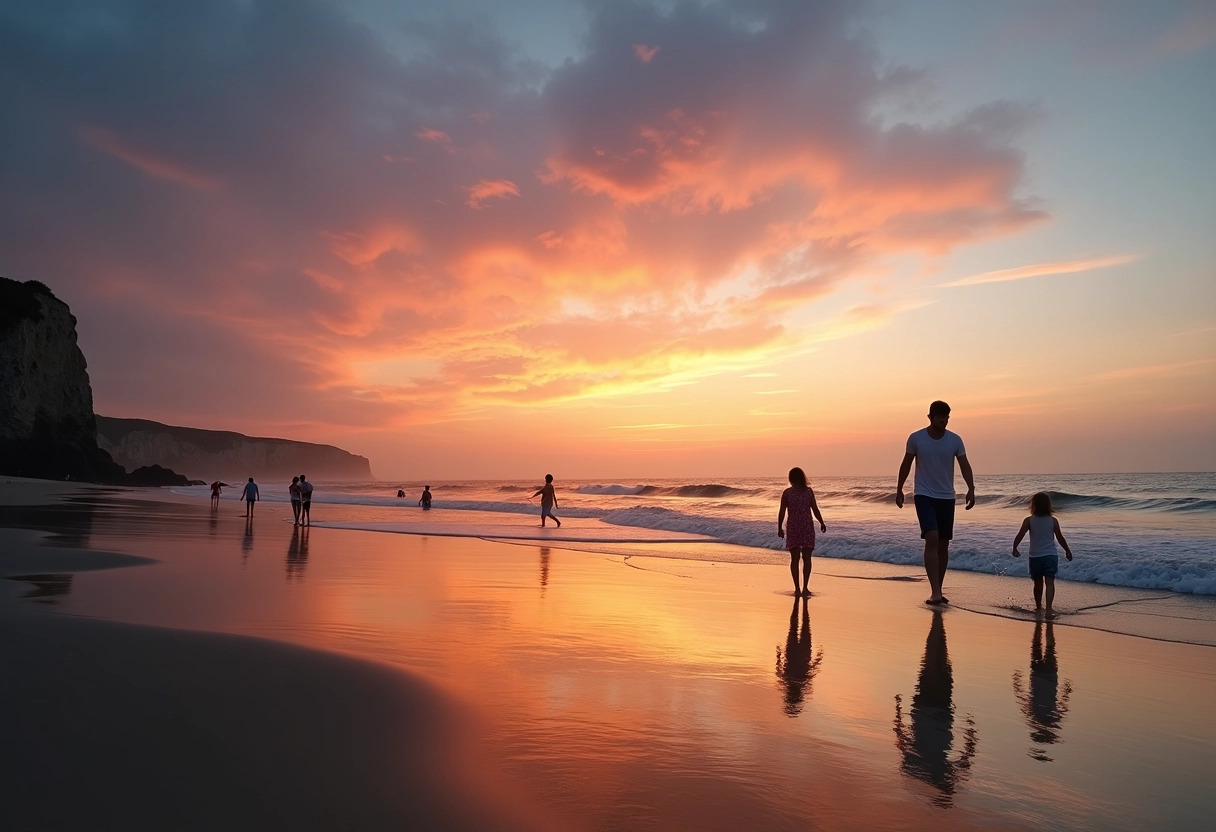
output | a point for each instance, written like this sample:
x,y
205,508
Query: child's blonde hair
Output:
x,y
1040,504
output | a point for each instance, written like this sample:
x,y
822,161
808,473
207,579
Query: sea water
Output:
x,y
1144,531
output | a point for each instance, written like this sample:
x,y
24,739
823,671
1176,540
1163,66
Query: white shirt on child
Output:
x,y
1042,536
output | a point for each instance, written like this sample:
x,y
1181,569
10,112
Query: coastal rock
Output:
x,y
214,454
158,476
47,427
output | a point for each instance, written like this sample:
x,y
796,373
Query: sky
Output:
x,y
474,239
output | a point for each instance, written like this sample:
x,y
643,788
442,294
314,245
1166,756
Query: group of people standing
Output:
x,y
300,492
934,449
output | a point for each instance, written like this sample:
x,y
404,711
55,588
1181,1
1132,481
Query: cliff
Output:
x,y
47,427
214,454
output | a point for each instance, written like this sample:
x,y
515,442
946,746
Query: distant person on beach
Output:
x,y
1043,558
215,492
548,501
934,448
250,496
425,499
305,501
293,491
799,501
400,493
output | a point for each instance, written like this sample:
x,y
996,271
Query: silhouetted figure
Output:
x,y
425,499
216,487
305,501
297,552
297,499
1044,561
795,667
925,744
1044,704
400,493
548,501
250,495
934,448
799,501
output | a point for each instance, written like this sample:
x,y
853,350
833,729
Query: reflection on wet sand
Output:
x,y
47,588
795,667
247,539
1043,702
544,568
297,552
925,744
69,524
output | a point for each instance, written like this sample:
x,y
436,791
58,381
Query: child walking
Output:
x,y
799,501
1043,559
548,501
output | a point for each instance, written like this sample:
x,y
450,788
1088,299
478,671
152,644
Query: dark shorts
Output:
x,y
935,516
1044,567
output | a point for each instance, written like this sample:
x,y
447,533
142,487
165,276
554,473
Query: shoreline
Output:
x,y
611,688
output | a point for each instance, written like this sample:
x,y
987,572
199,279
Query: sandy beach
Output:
x,y
168,666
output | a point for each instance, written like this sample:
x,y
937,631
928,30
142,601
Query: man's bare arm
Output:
x,y
968,477
905,468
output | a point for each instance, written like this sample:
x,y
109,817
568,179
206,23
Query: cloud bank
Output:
x,y
265,213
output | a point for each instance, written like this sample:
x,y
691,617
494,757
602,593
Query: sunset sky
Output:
x,y
480,239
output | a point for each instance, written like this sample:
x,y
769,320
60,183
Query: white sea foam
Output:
x,y
1150,531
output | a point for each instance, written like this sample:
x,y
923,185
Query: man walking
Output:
x,y
934,448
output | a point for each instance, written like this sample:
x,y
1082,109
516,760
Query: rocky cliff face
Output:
x,y
213,454
47,428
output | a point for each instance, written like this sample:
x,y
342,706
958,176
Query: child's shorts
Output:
x,y
1045,566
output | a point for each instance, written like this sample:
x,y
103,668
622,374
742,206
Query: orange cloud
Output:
x,y
109,142
490,189
1045,270
362,248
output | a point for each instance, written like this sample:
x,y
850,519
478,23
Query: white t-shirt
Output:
x,y
305,491
935,462
1042,536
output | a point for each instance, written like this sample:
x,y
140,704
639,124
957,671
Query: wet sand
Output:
x,y
259,676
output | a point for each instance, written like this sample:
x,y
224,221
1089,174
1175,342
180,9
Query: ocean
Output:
x,y
1146,531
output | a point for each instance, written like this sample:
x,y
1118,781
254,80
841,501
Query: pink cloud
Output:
x,y
488,189
438,137
645,53
109,142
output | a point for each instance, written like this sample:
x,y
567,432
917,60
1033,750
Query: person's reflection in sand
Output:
x,y
1043,701
297,552
213,525
247,540
925,743
795,667
544,568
